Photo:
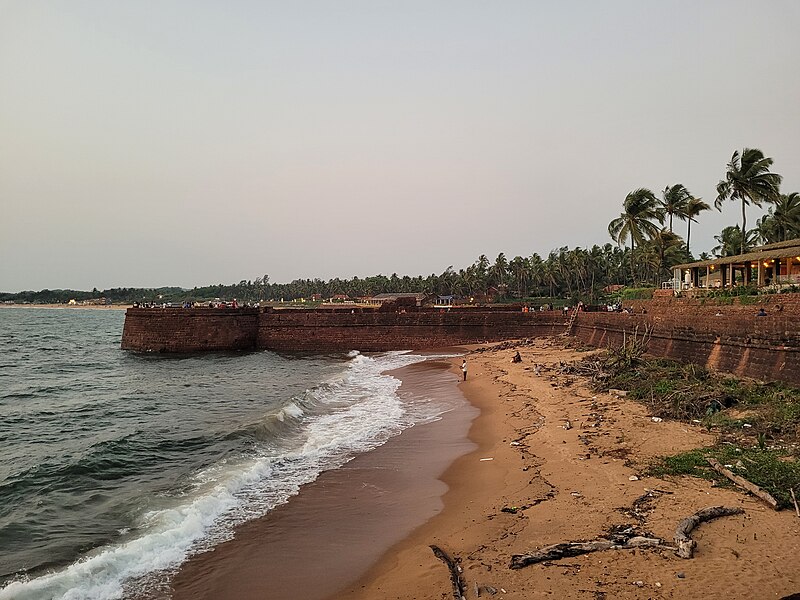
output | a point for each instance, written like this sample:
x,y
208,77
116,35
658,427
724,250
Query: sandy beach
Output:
x,y
573,484
504,474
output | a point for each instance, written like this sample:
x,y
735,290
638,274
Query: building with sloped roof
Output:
x,y
775,264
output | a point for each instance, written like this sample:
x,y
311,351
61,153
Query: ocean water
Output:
x,y
118,466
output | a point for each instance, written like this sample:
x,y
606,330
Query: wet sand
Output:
x,y
337,527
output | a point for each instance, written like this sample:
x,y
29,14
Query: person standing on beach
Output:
x,y
464,368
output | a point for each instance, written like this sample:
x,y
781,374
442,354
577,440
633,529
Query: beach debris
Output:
x,y
509,509
794,500
576,494
685,544
643,505
619,393
568,425
490,590
456,579
742,482
633,478
638,583
656,419
620,537
485,459
681,575
515,444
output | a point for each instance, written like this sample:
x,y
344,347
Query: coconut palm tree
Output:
x,y
730,241
748,180
694,206
673,202
639,220
787,216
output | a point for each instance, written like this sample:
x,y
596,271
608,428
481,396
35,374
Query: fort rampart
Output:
x,y
722,336
198,329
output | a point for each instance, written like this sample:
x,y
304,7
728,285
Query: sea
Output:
x,y
118,466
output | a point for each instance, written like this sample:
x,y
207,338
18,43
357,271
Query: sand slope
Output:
x,y
571,484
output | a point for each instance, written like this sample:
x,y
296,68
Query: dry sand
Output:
x,y
573,484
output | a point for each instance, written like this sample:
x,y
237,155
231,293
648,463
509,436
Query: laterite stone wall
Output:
x,y
723,337
379,331
741,343
189,329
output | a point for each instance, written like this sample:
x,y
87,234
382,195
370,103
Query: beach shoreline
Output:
x,y
329,534
556,462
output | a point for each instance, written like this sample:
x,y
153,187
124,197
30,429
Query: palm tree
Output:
x,y
499,270
694,206
748,179
636,221
730,241
787,216
673,202
640,209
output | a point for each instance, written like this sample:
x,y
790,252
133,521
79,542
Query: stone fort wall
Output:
x,y
736,341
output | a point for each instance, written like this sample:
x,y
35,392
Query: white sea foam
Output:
x,y
359,411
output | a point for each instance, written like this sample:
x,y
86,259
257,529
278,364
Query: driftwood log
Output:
x,y
620,541
459,585
742,482
685,544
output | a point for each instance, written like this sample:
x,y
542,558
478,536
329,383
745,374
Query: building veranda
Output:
x,y
773,265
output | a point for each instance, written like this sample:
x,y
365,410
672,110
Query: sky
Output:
x,y
166,142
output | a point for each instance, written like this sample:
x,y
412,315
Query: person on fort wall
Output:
x,y
464,368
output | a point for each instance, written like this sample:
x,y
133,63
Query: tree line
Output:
x,y
647,247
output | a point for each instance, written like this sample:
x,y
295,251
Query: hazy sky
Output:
x,y
192,142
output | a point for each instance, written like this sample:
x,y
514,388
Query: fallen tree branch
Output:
x,y
742,482
685,544
794,500
459,585
623,540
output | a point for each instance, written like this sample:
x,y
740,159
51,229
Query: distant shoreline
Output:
x,y
71,306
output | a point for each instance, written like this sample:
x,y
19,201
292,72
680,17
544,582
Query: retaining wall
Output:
x,y
189,329
378,331
737,341
764,348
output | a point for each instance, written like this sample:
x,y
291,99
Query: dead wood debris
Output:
x,y
742,482
628,537
625,537
456,579
685,544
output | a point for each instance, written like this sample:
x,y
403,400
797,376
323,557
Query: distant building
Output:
x,y
414,298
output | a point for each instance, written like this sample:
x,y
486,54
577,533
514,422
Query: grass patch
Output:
x,y
688,392
636,293
774,471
